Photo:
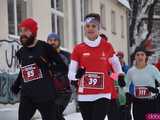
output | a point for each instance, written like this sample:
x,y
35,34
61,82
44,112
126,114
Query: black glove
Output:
x,y
15,89
80,73
157,83
129,98
74,83
152,89
121,80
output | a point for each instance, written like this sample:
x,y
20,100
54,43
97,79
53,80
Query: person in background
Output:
x,y
125,67
158,64
61,81
143,76
125,109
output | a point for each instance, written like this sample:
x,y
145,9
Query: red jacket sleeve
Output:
x,y
75,54
110,49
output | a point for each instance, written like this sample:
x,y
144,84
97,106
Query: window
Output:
x,y
17,11
84,9
122,26
103,16
156,9
81,8
57,10
84,12
113,22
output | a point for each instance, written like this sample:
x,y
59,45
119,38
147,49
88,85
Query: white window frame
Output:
x,y
122,26
15,19
82,17
57,13
113,22
103,15
79,20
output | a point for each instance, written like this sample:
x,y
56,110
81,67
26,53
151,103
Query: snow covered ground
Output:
x,y
11,113
75,116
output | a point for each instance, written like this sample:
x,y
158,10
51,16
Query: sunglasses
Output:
x,y
90,26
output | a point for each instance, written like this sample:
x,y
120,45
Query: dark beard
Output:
x,y
29,40
56,47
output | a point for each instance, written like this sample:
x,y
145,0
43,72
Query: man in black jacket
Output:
x,y
35,77
61,81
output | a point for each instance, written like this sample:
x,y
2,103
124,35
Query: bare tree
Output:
x,y
140,22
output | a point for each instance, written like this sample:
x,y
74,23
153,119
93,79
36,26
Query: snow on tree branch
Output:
x,y
140,22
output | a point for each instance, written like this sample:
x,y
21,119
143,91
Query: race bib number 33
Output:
x,y
31,72
93,80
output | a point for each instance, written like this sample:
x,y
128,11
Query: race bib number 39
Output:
x,y
31,72
93,80
142,91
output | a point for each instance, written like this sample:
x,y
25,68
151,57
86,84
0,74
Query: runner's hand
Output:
x,y
14,89
129,98
121,80
74,83
80,73
152,89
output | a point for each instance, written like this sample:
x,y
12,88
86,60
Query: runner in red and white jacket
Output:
x,y
95,57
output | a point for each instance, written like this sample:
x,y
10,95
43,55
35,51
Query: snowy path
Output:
x,y
75,116
9,114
